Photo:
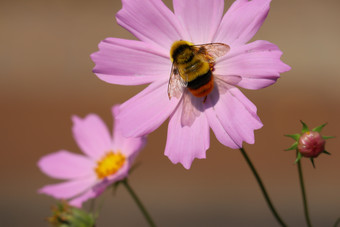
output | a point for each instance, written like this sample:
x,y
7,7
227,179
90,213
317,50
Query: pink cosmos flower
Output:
x,y
107,160
230,115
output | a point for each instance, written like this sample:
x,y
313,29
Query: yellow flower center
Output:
x,y
109,164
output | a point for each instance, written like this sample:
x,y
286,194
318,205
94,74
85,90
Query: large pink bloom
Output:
x,y
86,178
230,115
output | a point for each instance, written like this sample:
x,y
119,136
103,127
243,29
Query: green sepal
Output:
x,y
115,186
293,147
299,156
319,128
304,127
294,136
326,152
312,160
81,218
65,215
328,137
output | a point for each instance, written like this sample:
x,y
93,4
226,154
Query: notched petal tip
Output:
x,y
242,21
85,122
258,63
187,162
185,143
155,23
285,67
187,165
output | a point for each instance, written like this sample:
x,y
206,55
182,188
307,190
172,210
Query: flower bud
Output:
x,y
65,215
311,144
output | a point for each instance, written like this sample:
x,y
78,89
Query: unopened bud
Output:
x,y
65,215
311,144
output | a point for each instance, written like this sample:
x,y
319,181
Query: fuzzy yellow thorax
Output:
x,y
175,46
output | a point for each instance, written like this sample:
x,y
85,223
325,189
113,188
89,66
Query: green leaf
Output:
x,y
299,156
319,128
312,160
304,127
295,136
293,147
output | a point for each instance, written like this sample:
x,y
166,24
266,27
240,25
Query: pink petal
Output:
x,y
200,18
242,21
146,111
69,189
229,79
66,165
258,63
128,146
151,21
100,187
185,143
232,116
79,200
92,135
129,62
221,134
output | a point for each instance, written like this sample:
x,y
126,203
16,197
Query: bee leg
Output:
x,y
205,99
211,65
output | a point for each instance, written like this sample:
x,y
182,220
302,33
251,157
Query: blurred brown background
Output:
x,y
46,77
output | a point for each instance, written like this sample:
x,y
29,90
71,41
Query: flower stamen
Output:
x,y
109,164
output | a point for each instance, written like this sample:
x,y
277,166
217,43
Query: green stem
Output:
x,y
337,222
305,206
263,189
139,203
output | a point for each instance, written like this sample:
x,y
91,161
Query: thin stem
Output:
x,y
92,205
263,189
305,206
139,203
337,222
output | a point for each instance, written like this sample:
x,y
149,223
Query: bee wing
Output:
x,y
176,83
214,50
191,109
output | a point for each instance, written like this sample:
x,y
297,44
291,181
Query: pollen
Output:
x,y
109,164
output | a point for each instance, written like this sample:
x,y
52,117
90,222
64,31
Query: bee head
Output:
x,y
181,51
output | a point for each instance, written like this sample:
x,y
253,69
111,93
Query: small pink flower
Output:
x,y
230,115
107,160
311,144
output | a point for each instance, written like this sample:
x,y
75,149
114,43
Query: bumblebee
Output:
x,y
192,67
